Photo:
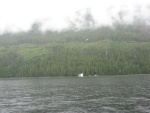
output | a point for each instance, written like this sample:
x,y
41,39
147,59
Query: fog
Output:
x,y
21,15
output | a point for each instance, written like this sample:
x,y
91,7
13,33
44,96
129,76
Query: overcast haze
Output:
x,y
19,15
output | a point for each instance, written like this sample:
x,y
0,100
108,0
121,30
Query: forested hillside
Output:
x,y
122,49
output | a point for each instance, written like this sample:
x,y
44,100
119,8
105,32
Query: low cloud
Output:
x,y
89,17
83,20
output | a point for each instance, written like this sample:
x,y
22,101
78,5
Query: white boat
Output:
x,y
81,75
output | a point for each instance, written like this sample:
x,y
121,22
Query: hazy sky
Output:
x,y
19,15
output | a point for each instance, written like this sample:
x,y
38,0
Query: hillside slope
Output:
x,y
102,51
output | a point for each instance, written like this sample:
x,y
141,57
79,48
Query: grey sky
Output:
x,y
19,15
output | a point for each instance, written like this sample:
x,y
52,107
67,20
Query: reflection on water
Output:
x,y
103,94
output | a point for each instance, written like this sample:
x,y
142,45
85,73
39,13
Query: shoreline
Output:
x,y
74,76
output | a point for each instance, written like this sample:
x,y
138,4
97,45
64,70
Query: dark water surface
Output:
x,y
102,94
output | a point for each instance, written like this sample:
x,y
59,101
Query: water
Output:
x,y
102,94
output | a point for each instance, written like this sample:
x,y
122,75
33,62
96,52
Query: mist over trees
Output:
x,y
121,49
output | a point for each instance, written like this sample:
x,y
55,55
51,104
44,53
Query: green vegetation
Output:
x,y
124,49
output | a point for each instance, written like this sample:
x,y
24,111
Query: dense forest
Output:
x,y
121,49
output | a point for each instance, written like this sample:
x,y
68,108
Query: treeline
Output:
x,y
118,32
123,49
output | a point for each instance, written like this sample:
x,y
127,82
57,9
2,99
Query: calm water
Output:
x,y
103,94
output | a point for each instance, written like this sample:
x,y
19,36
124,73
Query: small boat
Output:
x,y
81,75
95,75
